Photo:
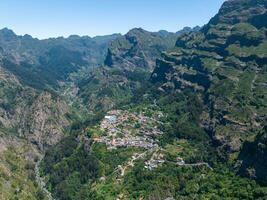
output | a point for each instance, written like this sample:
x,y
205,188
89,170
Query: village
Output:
x,y
125,129
129,141
128,129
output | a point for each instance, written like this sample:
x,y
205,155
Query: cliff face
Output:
x,y
44,121
128,64
30,113
225,64
140,48
241,11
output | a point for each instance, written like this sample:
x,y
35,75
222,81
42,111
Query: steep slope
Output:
x,y
139,48
252,158
212,101
207,93
32,72
225,65
26,112
43,63
128,65
33,114
17,179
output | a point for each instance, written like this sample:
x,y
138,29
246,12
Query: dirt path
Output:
x,y
130,163
123,169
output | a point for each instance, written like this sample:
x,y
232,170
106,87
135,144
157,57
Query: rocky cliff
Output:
x,y
128,64
139,48
30,113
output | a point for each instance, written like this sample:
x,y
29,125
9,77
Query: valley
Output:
x,y
145,115
40,181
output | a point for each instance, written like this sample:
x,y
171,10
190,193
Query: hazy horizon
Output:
x,y
50,19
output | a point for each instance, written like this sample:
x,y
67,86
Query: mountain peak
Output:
x,y
7,33
137,31
239,11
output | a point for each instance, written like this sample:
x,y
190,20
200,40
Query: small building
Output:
x,y
180,160
111,118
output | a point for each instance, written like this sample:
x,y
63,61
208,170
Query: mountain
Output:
x,y
54,58
145,115
32,72
128,64
225,66
139,48
210,91
34,113
26,112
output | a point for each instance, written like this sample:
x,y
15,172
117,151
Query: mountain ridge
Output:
x,y
225,64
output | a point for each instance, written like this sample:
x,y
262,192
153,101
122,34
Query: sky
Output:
x,y
54,18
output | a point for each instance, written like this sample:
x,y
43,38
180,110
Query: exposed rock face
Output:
x,y
140,48
239,11
30,72
129,62
26,150
225,63
41,122
29,113
45,120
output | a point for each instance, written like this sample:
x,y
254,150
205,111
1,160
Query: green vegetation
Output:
x,y
190,183
224,66
193,129
259,50
71,166
17,178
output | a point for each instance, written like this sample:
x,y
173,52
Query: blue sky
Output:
x,y
53,18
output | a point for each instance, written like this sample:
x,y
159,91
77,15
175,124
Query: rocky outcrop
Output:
x,y
45,121
239,11
29,113
140,48
128,64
